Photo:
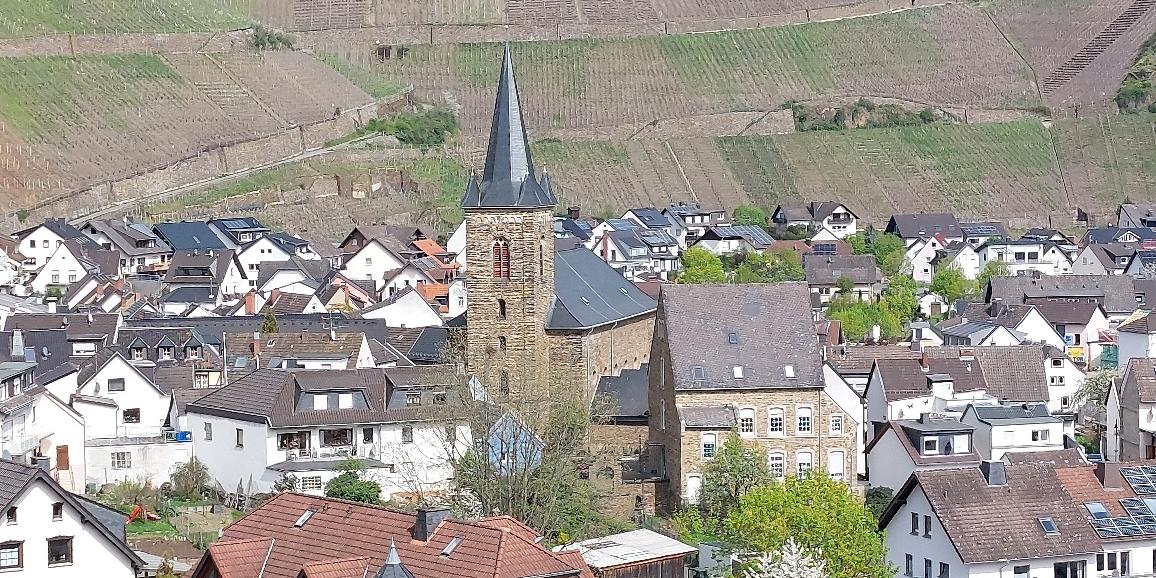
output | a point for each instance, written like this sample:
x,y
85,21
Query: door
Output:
x,y
62,457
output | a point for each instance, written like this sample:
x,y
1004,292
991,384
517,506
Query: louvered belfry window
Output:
x,y
501,259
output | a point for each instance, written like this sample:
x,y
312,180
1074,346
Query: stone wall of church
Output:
x,y
621,346
526,294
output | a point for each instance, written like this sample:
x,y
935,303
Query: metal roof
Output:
x,y
628,548
588,292
189,235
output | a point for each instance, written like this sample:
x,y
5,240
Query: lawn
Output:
x,y
39,17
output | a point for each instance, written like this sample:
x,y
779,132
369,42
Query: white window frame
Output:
x,y
747,414
836,424
837,457
781,415
121,460
703,445
810,417
311,483
799,463
781,464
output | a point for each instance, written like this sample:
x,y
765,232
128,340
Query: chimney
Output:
x,y
1109,475
255,345
573,212
923,362
994,472
273,295
250,303
17,343
427,521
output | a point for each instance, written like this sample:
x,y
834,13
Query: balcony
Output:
x,y
20,445
331,452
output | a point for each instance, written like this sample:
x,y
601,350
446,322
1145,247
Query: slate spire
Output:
x,y
508,179
393,568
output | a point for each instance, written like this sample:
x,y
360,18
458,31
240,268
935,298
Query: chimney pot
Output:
x,y
995,472
924,362
427,521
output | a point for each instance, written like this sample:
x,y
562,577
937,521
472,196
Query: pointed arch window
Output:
x,y
501,259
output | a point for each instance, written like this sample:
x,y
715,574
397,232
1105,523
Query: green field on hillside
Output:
x,y
41,96
38,17
964,168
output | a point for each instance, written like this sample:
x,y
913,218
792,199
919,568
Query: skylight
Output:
x,y
1097,510
449,549
698,372
304,518
1049,526
733,338
789,370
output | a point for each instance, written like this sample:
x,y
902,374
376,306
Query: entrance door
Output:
x,y
62,457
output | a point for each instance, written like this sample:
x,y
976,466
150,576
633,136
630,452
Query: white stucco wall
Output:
x,y
937,547
92,553
226,462
39,245
138,393
148,461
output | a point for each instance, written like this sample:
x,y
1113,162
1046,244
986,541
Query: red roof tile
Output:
x,y
241,558
350,568
339,529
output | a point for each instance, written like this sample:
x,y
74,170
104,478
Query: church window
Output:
x,y
501,263
501,308
504,383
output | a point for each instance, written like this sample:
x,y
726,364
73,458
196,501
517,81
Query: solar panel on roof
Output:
x,y
621,224
824,249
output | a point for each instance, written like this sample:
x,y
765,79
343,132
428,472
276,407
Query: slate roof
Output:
x,y
1014,373
285,345
1141,375
650,217
905,378
707,416
922,225
624,395
1002,314
124,236
508,179
340,530
190,295
589,293
908,433
1110,234
1064,312
186,235
59,226
828,269
1012,414
984,229
994,523
77,325
771,323
1115,292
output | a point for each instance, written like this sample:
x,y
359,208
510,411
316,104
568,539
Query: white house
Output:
x,y
1103,259
1136,338
921,255
300,350
830,216
977,333
406,308
1064,380
904,388
141,250
38,243
1081,325
1025,256
1023,320
397,280
456,246
992,521
70,262
405,432
1000,429
373,261
49,531
1130,415
34,422
961,257
927,443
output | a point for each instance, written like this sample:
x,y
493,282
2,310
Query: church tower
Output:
x,y
509,257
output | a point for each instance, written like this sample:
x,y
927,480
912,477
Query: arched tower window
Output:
x,y
501,308
503,383
501,259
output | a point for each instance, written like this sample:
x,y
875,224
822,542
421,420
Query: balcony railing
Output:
x,y
330,452
19,445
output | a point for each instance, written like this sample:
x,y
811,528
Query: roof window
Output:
x,y
733,338
449,549
1049,526
304,518
1097,510
789,370
698,372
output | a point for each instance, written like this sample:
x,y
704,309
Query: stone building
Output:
x,y
540,316
743,359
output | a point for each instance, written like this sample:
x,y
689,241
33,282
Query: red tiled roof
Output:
x,y
429,247
241,558
350,568
339,529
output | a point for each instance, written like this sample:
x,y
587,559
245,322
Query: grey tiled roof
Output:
x,y
992,523
189,235
624,395
921,225
1064,312
771,322
828,269
708,416
1012,414
589,293
1115,292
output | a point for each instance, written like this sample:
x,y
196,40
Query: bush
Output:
x,y
349,485
268,39
877,499
190,479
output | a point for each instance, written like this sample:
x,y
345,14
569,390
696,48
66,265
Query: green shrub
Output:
x,y
268,39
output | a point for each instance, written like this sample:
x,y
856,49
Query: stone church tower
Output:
x,y
509,257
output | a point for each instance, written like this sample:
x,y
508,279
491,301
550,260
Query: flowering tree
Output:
x,y
791,561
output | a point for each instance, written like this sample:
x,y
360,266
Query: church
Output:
x,y
543,314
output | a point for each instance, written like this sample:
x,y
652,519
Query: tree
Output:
x,y
749,215
701,266
791,561
890,252
733,471
269,325
844,284
189,479
950,284
858,243
900,298
1094,388
350,485
992,269
822,517
754,268
785,265
858,318
877,499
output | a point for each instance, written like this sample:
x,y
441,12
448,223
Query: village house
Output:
x,y
978,233
832,218
715,372
142,252
1002,429
294,275
824,274
270,424
237,232
406,308
1136,338
1130,415
202,278
1105,259
732,239
962,331
1142,236
49,531
272,247
1135,215
915,226
959,256
1081,325
1025,256
297,350
298,535
1022,320
640,253
691,220
70,262
922,254
39,428
189,236
639,552
1115,293
905,446
38,243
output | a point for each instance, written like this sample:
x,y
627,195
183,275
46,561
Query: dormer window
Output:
x,y
930,446
165,352
412,399
698,373
138,353
193,352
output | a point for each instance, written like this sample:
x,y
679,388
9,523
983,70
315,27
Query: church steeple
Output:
x,y
508,179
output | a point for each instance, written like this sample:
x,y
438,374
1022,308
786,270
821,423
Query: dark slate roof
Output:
x,y
708,416
909,432
189,235
190,295
624,395
994,523
1110,234
1115,292
1064,312
905,378
212,328
1012,414
984,229
920,225
771,323
575,228
827,269
59,226
430,345
508,179
1001,314
588,292
651,217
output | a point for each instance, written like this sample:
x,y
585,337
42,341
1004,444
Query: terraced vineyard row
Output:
x,y
1110,158
32,18
949,55
104,117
